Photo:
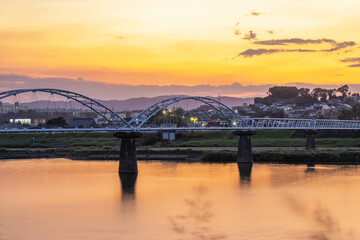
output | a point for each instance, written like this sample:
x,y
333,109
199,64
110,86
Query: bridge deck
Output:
x,y
253,124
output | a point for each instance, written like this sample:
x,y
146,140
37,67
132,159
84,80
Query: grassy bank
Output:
x,y
328,156
106,141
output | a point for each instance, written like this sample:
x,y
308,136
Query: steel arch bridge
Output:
x,y
90,103
136,124
139,120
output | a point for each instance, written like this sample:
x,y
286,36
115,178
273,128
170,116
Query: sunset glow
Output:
x,y
185,42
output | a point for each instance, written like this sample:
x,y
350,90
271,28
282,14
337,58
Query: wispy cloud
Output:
x,y
294,41
250,35
351,60
356,62
254,13
263,51
341,45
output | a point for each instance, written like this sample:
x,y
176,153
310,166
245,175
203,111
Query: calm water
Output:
x,y
63,199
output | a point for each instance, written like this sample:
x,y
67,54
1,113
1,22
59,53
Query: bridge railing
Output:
x,y
288,123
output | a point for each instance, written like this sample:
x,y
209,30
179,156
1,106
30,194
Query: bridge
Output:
x,y
128,131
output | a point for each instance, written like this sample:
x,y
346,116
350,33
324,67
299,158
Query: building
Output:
x,y
83,122
331,112
16,106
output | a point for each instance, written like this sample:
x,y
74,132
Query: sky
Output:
x,y
188,42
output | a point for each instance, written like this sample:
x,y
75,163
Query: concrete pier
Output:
x,y
128,161
128,182
244,154
310,138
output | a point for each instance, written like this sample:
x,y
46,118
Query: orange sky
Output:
x,y
184,42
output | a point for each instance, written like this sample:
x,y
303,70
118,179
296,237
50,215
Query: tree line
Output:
x,y
303,96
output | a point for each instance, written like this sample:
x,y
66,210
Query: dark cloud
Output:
x,y
294,41
297,41
351,60
255,52
254,13
263,51
341,45
354,65
300,50
250,35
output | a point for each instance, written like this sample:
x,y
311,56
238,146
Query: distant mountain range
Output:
x,y
136,103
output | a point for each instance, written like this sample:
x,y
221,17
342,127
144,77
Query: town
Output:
x,y
280,102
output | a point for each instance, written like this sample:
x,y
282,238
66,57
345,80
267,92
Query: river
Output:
x,y
64,199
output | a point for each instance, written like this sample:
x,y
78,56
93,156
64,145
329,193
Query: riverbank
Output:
x,y
294,156
276,146
263,138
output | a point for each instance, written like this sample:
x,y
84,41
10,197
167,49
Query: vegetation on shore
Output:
x,y
291,156
104,145
264,138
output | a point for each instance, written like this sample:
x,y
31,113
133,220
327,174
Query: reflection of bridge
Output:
x,y
128,131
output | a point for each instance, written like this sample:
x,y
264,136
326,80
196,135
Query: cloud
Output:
x,y
297,41
254,52
250,36
339,46
352,60
354,65
263,51
121,91
294,41
270,31
237,32
254,13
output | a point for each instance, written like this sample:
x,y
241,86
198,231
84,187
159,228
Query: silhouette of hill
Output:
x,y
135,103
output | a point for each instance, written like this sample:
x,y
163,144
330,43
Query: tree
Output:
x,y
320,94
284,92
56,122
304,96
343,91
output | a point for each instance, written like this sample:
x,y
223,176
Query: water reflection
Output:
x,y
310,167
245,172
41,198
128,183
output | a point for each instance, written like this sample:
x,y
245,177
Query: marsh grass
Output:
x,y
323,223
195,224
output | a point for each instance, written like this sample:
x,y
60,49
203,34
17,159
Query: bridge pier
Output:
x,y
244,154
310,138
128,161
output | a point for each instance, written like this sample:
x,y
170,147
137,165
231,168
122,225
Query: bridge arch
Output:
x,y
155,108
90,103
